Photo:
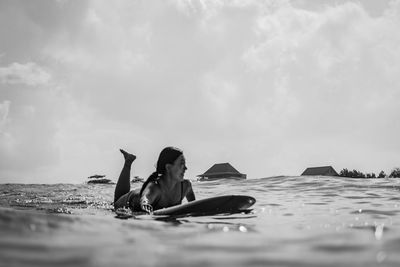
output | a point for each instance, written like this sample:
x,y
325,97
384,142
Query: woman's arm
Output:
x,y
149,197
189,191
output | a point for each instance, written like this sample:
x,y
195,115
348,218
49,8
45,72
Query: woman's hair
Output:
x,y
167,156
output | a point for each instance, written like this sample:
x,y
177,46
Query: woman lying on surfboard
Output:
x,y
164,188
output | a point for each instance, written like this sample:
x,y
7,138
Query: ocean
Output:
x,y
296,221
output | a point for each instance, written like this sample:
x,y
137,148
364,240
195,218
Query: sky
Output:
x,y
272,87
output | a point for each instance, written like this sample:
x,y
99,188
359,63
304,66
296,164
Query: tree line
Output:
x,y
395,173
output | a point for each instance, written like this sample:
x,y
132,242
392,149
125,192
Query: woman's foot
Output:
x,y
128,157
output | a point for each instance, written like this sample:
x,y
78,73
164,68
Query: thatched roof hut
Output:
x,y
220,171
324,170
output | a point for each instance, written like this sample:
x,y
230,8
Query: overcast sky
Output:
x,y
272,87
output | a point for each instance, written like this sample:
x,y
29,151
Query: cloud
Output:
x,y
29,74
271,86
39,23
4,108
27,127
28,134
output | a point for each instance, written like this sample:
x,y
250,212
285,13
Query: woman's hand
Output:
x,y
147,208
189,191
145,205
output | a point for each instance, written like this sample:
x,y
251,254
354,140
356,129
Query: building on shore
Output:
x,y
221,171
324,171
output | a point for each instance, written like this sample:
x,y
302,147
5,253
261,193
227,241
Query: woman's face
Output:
x,y
178,168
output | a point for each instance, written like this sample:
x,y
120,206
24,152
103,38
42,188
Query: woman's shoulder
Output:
x,y
153,186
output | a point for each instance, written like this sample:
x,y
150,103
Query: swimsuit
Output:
x,y
132,200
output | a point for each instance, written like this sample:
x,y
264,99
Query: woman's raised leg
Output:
x,y
124,184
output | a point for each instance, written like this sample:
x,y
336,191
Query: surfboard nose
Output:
x,y
251,200
247,202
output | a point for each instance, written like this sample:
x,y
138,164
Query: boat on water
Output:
x,y
98,179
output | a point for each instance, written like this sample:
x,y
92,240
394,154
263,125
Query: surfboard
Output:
x,y
210,206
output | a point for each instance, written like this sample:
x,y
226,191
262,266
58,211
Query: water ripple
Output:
x,y
376,212
340,248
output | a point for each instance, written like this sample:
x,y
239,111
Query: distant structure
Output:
x,y
221,171
96,176
136,179
325,171
98,179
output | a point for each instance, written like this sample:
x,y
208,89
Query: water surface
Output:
x,y
297,221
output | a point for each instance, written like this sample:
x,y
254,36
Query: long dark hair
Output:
x,y
167,156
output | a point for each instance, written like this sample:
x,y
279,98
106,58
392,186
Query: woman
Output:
x,y
164,188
